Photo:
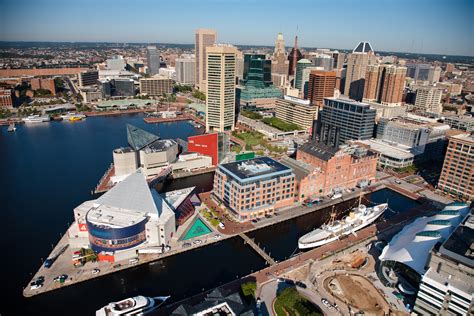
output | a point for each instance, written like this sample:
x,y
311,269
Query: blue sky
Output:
x,y
426,26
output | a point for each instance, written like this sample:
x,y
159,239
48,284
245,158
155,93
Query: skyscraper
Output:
x,y
384,84
428,99
203,39
185,68
457,175
256,86
357,62
293,58
280,62
342,119
321,85
153,60
300,66
424,72
220,87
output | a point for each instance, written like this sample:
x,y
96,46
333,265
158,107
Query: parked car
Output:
x,y
186,245
325,302
398,181
217,236
95,271
221,225
48,263
118,265
197,242
254,220
300,284
133,261
35,285
60,278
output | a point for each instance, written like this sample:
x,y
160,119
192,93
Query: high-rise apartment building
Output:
x,y
153,60
342,119
296,111
384,84
338,58
323,60
155,86
357,62
203,38
220,87
185,70
280,62
428,99
88,78
457,176
321,85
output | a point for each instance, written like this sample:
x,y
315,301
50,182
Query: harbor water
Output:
x,y
48,169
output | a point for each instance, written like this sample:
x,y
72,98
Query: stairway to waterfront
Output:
x,y
257,248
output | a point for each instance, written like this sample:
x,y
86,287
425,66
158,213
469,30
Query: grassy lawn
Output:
x,y
280,124
251,115
290,301
251,138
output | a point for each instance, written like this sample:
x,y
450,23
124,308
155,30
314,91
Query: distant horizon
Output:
x,y
251,45
419,26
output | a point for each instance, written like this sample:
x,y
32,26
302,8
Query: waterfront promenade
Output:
x,y
63,264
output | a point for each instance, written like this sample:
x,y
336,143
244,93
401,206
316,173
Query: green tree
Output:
x,y
249,288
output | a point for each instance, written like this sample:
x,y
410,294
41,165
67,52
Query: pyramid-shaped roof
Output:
x,y
139,138
363,47
134,194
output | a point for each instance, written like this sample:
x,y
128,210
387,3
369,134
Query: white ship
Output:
x,y
358,218
137,305
36,119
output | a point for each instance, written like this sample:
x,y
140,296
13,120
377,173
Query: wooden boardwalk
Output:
x,y
257,248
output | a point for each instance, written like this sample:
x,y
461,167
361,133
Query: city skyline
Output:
x,y
247,23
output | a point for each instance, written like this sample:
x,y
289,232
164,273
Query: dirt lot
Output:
x,y
358,292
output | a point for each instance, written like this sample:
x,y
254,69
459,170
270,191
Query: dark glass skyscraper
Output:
x,y
344,119
257,79
153,60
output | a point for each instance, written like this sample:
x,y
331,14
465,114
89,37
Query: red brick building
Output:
x,y
329,169
45,84
6,99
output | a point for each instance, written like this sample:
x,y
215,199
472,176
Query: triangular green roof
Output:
x,y
138,138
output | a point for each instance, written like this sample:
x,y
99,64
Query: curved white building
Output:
x,y
413,244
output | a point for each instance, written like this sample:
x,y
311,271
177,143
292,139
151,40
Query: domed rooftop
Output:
x,y
304,61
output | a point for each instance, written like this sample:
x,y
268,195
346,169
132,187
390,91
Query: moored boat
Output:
x,y
357,219
137,305
72,117
36,119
